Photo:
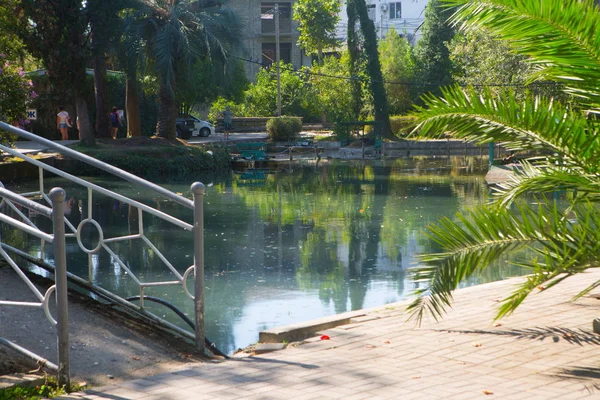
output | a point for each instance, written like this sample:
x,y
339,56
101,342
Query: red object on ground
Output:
x,y
325,337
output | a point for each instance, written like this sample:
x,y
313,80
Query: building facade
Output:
x,y
405,16
259,38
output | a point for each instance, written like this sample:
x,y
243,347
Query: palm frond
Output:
x,y
568,244
562,37
547,177
533,124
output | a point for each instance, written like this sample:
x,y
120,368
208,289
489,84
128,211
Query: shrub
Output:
x,y
402,125
16,93
284,129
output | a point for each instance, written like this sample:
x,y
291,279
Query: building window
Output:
x,y
268,53
267,19
395,10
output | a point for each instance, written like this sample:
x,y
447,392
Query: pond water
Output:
x,y
285,246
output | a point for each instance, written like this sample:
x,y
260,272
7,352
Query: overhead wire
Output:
x,y
432,84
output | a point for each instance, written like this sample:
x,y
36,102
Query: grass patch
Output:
x,y
151,157
47,390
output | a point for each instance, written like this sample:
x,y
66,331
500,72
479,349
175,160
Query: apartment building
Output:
x,y
403,15
259,39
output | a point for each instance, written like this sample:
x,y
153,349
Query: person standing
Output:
x,y
63,122
227,121
115,122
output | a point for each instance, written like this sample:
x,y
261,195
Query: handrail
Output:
x,y
98,164
25,202
100,189
26,228
196,228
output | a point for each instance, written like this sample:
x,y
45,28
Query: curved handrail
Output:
x,y
98,164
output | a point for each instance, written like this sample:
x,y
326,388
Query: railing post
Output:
x,y
58,196
198,191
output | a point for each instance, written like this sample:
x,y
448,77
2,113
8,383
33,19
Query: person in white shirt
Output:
x,y
63,121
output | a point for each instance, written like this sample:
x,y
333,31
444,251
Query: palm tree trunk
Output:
x,y
101,96
132,106
86,135
167,111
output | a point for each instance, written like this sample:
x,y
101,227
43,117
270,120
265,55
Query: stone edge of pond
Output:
x,y
304,330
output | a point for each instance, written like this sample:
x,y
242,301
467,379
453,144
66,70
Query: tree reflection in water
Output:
x,y
289,245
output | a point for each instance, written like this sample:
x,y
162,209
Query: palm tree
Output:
x,y
562,40
177,33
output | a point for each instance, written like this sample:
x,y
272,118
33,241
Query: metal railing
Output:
x,y
57,239
195,229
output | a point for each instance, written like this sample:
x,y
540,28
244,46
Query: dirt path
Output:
x,y
105,347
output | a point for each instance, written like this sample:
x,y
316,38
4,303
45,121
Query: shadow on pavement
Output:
x,y
573,336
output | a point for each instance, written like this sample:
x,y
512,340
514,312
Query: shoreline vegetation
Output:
x,y
143,156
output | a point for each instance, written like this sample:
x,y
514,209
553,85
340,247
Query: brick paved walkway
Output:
x,y
546,350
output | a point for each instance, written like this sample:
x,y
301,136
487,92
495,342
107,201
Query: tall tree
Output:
x,y
354,59
563,40
432,53
177,34
367,28
131,59
398,68
317,20
58,37
105,28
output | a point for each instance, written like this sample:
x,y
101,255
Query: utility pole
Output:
x,y
380,25
277,59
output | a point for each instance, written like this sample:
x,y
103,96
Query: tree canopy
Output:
x,y
317,20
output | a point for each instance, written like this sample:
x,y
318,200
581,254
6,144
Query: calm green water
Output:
x,y
284,246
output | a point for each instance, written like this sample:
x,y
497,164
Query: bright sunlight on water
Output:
x,y
285,246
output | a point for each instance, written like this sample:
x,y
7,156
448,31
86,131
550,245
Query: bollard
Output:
x,y
198,190
58,196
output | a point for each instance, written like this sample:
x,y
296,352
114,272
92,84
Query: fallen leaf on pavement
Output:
x,y
415,377
476,344
135,358
497,324
487,392
387,342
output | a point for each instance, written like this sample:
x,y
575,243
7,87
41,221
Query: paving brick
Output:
x,y
527,357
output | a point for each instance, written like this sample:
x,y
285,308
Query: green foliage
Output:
x,y
561,39
432,53
49,389
16,93
219,105
357,10
210,80
178,35
12,23
297,96
402,125
283,129
317,20
397,65
334,95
